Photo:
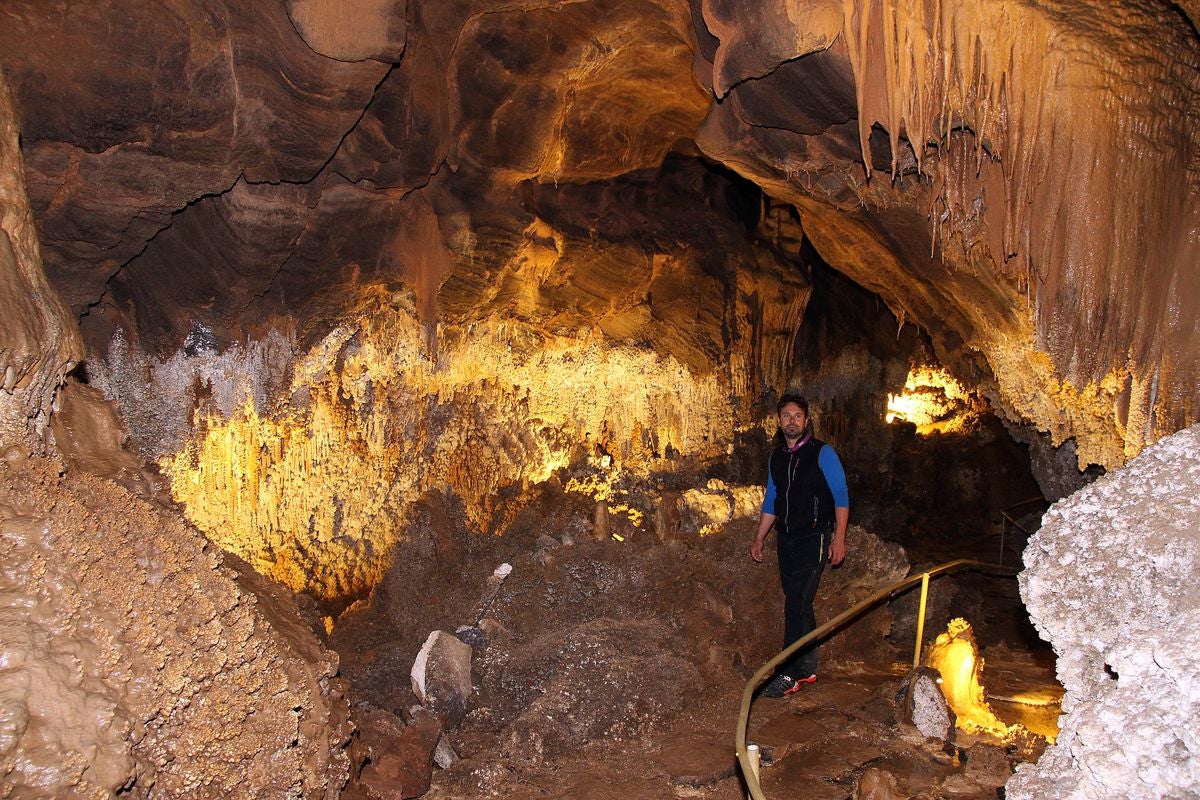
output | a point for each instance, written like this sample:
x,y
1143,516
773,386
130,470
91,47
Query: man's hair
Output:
x,y
792,398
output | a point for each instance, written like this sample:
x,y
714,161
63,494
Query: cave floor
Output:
x,y
837,739
616,670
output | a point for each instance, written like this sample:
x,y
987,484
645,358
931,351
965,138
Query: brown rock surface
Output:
x,y
441,677
89,435
399,756
998,230
233,166
39,342
137,662
351,31
597,650
171,105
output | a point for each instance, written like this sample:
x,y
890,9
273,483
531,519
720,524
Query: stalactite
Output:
x,y
1037,128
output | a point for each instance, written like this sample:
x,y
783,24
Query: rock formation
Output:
x,y
1111,584
269,174
39,342
1028,211
137,663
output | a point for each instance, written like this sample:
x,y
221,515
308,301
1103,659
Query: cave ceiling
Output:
x,y
1016,179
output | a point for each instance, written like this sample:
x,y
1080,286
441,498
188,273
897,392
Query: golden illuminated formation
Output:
x,y
935,402
1022,119
316,493
602,485
955,655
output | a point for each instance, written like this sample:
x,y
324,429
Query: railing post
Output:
x,y
921,620
754,756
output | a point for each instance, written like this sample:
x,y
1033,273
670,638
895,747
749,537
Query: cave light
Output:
x,y
956,657
602,485
934,401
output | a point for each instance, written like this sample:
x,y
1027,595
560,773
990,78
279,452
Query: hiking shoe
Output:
x,y
779,686
783,685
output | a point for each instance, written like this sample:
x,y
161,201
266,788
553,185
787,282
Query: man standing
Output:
x,y
809,506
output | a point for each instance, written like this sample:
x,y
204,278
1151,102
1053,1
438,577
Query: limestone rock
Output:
x,y
351,31
923,705
814,91
441,677
472,635
171,104
877,784
444,755
156,668
1110,582
39,341
90,435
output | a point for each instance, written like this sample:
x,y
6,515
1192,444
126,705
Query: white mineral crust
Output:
x,y
1111,582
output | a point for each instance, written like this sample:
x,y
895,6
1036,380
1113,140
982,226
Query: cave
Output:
x,y
388,390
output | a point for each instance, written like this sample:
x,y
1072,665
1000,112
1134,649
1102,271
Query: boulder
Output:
x,y
920,703
1110,582
441,677
399,756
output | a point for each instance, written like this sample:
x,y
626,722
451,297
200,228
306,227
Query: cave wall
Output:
x,y
321,261
199,181
308,457
927,462
1020,201
138,664
39,340
283,252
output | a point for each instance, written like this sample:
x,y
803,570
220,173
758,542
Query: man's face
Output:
x,y
792,420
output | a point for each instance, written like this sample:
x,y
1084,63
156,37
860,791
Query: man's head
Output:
x,y
793,417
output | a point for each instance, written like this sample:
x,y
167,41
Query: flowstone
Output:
x,y
1110,582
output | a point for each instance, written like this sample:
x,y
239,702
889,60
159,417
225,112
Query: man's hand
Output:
x,y
756,547
837,550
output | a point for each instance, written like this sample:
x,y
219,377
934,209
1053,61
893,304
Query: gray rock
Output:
x,y
920,703
399,756
444,755
472,635
441,677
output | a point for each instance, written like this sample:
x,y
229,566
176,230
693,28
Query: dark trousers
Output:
x,y
801,561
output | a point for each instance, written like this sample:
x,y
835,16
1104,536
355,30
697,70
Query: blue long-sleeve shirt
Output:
x,y
835,476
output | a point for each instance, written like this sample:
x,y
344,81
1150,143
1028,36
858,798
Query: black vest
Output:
x,y
803,502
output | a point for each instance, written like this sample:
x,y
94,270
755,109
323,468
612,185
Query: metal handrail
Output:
x,y
749,763
1007,519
